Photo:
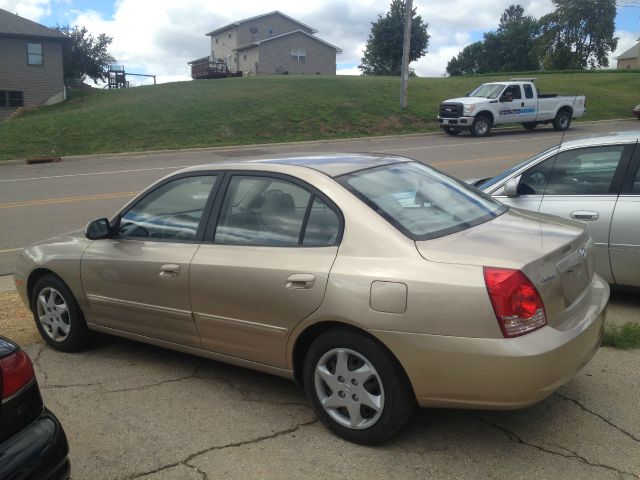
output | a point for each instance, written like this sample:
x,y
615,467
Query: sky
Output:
x,y
160,36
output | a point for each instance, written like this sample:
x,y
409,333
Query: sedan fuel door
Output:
x,y
624,241
271,244
137,281
584,185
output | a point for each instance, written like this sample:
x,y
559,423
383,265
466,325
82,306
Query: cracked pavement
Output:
x,y
134,411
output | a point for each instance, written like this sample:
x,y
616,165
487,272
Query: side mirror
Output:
x,y
511,187
98,229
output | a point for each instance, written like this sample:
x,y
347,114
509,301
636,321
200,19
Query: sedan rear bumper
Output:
x,y
39,451
499,373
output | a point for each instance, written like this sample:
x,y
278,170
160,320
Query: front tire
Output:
x,y
356,387
562,120
481,126
58,316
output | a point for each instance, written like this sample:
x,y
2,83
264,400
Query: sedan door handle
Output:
x,y
585,215
300,280
169,270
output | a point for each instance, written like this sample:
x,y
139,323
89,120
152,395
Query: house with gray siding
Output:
x,y
268,44
30,64
631,58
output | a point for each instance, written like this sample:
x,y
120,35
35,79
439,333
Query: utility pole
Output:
x,y
406,45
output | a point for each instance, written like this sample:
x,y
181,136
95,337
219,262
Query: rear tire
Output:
x,y
356,387
481,126
451,131
562,120
530,125
58,316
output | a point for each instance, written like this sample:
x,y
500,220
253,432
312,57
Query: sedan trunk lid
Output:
x,y
554,253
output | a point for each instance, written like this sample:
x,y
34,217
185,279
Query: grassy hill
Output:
x,y
268,109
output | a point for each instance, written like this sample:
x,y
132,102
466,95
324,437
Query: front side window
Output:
x,y
534,181
34,54
299,55
585,171
269,211
171,212
421,202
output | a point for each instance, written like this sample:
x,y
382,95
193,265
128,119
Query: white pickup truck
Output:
x,y
515,101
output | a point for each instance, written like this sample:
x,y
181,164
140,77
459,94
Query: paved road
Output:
x,y
39,201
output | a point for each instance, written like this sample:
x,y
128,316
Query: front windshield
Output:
x,y
493,180
420,201
488,90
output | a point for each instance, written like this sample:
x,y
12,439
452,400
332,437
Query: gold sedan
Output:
x,y
376,282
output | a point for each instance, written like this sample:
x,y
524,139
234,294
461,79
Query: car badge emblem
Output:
x,y
582,252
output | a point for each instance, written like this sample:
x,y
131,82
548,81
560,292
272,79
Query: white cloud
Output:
x,y
162,36
31,9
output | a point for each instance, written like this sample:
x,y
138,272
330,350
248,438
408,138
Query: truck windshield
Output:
x,y
487,90
419,201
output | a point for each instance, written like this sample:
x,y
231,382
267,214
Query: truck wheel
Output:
x,y
481,126
562,120
451,131
530,125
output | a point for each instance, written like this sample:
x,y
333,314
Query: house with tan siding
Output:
x,y
271,43
631,58
30,64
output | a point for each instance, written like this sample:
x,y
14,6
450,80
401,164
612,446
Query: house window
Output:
x,y
270,32
34,54
229,35
9,98
245,57
216,39
299,55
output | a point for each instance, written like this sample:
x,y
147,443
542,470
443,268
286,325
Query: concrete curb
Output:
x,y
232,148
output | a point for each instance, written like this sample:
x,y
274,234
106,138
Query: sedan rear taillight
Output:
x,y
17,372
516,302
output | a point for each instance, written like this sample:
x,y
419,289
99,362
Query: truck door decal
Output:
x,y
517,111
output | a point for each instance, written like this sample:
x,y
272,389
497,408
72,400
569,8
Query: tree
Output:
x,y
383,53
85,55
578,34
510,48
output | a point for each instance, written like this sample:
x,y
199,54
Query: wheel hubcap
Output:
x,y
349,388
564,121
482,127
53,314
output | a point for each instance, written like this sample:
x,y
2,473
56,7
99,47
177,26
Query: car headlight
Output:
x,y
468,109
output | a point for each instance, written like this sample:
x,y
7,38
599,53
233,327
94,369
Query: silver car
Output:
x,y
593,180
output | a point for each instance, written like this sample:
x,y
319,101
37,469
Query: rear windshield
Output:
x,y
421,202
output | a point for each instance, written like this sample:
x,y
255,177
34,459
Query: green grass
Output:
x,y
268,109
624,336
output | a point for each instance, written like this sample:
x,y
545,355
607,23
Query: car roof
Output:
x,y
618,137
332,165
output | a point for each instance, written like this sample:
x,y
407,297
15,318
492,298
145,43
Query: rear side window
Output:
x,y
171,212
269,211
585,171
528,91
420,202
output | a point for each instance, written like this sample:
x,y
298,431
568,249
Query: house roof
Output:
x,y
239,22
198,60
633,52
16,26
270,39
